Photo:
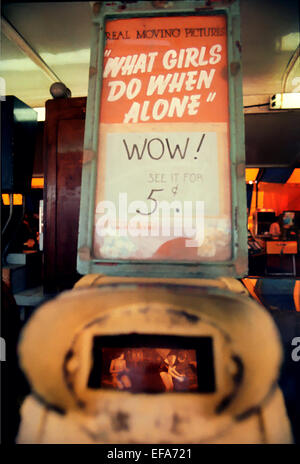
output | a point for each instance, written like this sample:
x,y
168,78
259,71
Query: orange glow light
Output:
x,y
295,177
37,182
251,174
17,199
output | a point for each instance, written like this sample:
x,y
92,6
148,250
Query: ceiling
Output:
x,y
60,33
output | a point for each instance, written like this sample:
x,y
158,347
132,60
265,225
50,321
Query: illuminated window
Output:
x,y
17,199
251,174
295,177
37,182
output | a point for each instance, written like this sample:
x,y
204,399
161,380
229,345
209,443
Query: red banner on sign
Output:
x,y
165,69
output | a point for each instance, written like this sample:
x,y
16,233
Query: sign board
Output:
x,y
164,143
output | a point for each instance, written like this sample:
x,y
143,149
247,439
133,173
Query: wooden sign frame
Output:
x,y
237,265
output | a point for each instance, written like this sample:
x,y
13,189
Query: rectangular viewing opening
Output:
x,y
152,364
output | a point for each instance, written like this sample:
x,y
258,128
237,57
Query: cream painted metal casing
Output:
x,y
56,355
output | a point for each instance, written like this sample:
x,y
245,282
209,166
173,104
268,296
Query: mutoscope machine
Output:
x,y
159,342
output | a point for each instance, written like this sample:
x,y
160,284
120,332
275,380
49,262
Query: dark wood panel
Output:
x,y
69,150
272,139
64,134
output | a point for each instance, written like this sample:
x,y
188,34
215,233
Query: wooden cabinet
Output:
x,y
63,150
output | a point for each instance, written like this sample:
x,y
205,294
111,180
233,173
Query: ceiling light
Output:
x,y
285,101
40,113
